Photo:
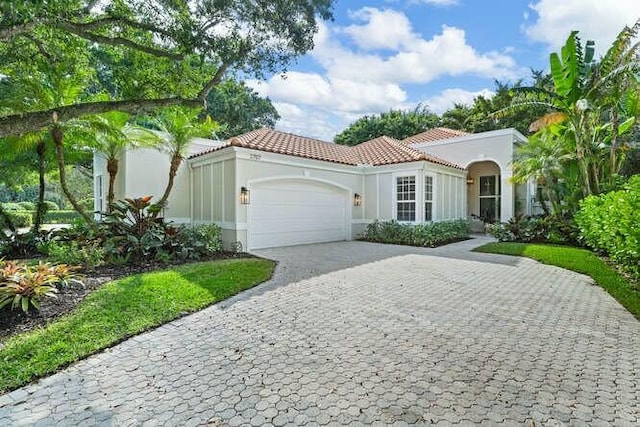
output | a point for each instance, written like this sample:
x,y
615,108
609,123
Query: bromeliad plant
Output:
x,y
23,286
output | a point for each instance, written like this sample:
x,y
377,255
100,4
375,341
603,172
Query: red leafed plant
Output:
x,y
23,286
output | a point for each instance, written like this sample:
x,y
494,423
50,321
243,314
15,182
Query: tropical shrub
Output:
x,y
130,233
520,228
131,228
428,235
89,255
22,245
23,286
611,223
528,229
61,217
51,206
192,243
9,206
87,203
19,218
27,206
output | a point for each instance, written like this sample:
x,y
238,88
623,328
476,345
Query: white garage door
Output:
x,y
291,212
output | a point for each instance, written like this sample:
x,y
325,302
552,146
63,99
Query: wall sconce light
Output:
x,y
470,181
244,196
357,200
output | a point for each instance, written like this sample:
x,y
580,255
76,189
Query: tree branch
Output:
x,y
117,41
217,77
7,33
39,45
101,22
17,124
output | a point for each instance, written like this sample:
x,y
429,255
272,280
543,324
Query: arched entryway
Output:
x,y
484,191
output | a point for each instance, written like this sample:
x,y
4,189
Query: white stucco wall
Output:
x,y
145,172
496,146
247,168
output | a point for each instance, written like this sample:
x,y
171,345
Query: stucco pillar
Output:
x,y
508,195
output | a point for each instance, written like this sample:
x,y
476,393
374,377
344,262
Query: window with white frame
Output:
x,y
406,198
428,198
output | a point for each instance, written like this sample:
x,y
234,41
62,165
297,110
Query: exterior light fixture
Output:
x,y
357,200
244,196
470,181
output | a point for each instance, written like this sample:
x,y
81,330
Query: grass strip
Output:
x,y
121,309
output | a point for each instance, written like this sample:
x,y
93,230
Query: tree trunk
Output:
x,y
112,169
56,134
614,144
176,161
41,209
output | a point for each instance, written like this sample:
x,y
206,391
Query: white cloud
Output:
x,y
420,61
370,78
383,29
344,95
313,122
448,97
596,20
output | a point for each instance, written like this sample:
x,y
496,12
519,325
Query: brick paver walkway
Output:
x,y
361,333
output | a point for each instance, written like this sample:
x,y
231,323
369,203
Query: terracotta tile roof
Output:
x,y
385,150
380,151
435,134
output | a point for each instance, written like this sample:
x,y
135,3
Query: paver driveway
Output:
x,y
364,333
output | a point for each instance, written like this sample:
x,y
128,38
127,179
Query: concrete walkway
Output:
x,y
362,333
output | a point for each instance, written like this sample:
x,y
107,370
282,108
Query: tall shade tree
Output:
x,y
188,45
113,135
239,109
592,105
398,124
177,126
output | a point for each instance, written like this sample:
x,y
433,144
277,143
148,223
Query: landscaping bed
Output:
x,y
429,235
14,322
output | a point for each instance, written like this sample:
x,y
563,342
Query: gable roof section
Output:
x,y
385,150
379,151
435,134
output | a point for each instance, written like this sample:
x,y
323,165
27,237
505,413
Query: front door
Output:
x,y
490,198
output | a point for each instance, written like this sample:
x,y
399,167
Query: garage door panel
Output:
x,y
296,212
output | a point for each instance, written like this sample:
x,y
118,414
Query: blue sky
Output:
x,y
383,54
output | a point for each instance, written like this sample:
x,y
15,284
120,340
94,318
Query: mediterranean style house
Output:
x,y
268,188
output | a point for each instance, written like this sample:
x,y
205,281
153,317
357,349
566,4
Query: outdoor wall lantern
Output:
x,y
470,180
357,200
244,196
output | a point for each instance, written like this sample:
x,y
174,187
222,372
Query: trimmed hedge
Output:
x,y
27,206
427,235
61,217
10,206
51,206
20,219
611,223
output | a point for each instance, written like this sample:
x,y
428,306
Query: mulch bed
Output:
x,y
14,322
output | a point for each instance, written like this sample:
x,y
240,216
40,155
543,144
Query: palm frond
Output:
x,y
548,120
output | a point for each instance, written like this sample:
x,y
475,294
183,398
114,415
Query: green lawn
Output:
x,y
121,309
579,260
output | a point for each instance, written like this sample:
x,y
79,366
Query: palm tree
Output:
x,y
177,127
114,134
46,87
36,142
584,104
